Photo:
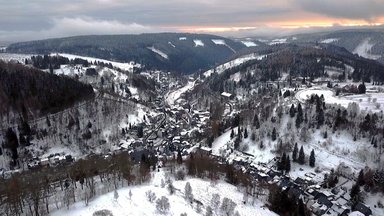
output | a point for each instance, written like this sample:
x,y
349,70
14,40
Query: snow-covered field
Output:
x,y
175,95
159,52
329,40
249,43
218,41
370,101
124,66
221,68
222,42
278,41
14,57
364,50
138,204
198,43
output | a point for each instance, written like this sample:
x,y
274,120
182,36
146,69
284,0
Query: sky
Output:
x,y
22,20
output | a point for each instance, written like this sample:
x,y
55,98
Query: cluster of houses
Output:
x,y
51,160
319,200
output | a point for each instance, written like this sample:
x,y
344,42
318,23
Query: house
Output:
x,y
226,95
363,209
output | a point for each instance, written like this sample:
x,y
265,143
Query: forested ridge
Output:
x,y
24,90
184,56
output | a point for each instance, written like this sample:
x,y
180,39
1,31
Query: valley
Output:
x,y
233,129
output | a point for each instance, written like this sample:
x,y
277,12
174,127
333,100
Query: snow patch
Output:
x,y
222,42
172,45
219,69
182,38
278,41
329,40
249,43
364,101
172,97
124,66
7,57
159,52
364,50
198,43
218,42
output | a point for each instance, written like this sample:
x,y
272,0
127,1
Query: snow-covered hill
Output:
x,y
138,204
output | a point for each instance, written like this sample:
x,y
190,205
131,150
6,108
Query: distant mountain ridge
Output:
x,y
368,43
180,52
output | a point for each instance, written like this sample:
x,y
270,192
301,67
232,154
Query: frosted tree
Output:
x,y
162,205
215,201
151,196
227,206
188,192
115,195
208,211
130,194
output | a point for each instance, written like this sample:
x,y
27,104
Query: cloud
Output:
x,y
78,26
369,10
35,19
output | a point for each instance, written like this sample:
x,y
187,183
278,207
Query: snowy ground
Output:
x,y
249,43
202,190
221,68
173,96
198,43
222,42
278,41
329,40
14,57
365,101
159,52
124,66
364,49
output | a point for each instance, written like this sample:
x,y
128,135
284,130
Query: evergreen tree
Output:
x,y
292,111
355,194
179,157
274,134
360,178
362,88
294,153
320,118
232,133
287,164
299,117
312,159
301,158
282,163
245,133
256,122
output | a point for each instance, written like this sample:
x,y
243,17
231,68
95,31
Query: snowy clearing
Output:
x,y
14,57
138,204
124,66
218,41
221,68
329,40
278,41
172,97
198,43
222,42
364,50
159,52
182,38
249,43
365,101
172,45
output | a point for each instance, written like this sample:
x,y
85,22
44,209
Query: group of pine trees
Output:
x,y
284,164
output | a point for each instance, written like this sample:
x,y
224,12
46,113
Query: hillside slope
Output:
x,y
180,52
